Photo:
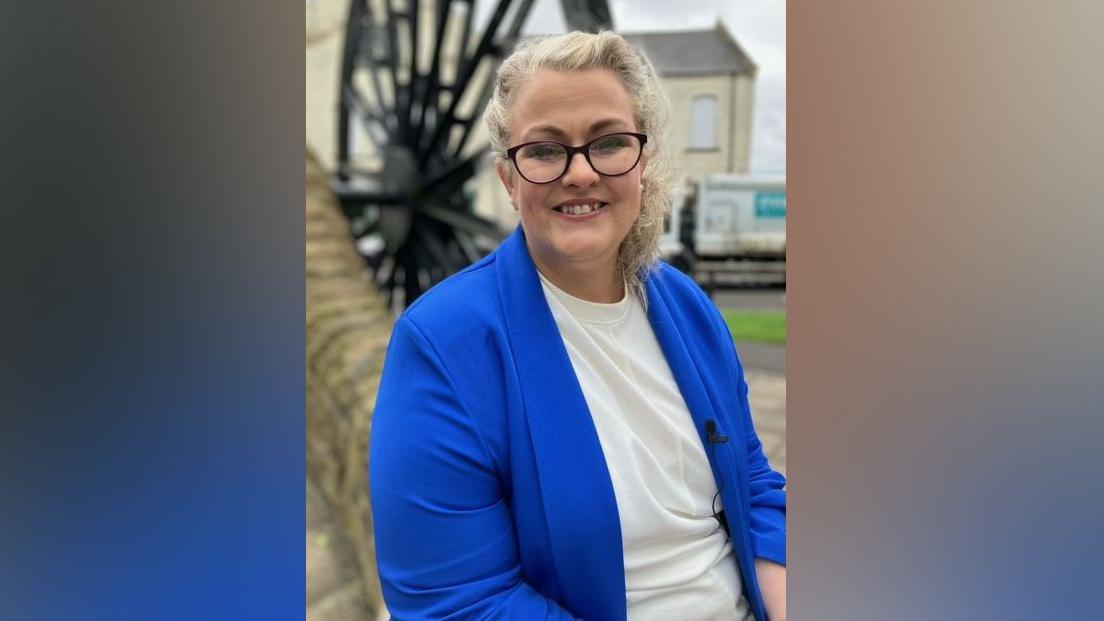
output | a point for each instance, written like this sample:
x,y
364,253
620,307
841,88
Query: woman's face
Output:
x,y
573,108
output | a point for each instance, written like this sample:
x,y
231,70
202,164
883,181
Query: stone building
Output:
x,y
710,82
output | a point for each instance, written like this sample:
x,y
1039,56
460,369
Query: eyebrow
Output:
x,y
552,130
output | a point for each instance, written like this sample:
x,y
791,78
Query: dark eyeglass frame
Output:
x,y
511,153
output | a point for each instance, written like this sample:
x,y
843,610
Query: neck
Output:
x,y
602,284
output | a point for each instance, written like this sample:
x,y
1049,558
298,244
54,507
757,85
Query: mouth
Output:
x,y
580,210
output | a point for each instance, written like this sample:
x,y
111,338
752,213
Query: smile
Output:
x,y
585,209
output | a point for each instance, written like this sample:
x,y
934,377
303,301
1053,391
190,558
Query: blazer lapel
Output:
x,y
575,486
672,330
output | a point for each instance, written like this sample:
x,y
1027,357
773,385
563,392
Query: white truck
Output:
x,y
729,228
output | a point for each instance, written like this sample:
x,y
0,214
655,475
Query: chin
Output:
x,y
582,249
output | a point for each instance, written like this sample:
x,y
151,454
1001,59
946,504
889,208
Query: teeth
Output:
x,y
580,210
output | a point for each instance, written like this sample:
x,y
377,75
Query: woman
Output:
x,y
559,425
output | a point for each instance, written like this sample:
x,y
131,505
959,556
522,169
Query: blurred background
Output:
x,y
401,193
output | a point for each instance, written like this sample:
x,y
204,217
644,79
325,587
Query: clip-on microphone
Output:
x,y
711,433
714,439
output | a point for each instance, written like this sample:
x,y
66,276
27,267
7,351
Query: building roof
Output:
x,y
696,52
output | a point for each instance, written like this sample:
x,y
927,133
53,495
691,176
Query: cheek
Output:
x,y
531,197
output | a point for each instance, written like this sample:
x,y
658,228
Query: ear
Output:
x,y
504,177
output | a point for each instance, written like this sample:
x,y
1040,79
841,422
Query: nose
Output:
x,y
579,172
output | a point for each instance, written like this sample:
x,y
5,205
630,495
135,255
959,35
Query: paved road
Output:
x,y
767,394
750,299
763,356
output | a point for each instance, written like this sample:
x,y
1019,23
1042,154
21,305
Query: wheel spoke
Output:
x,y
419,108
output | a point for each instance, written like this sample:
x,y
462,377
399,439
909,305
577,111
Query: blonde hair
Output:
x,y
578,51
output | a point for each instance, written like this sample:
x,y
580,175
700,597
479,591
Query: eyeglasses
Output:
x,y
611,155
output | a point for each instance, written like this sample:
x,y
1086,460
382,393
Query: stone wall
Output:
x,y
348,328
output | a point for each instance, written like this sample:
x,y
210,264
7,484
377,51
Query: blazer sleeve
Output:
x,y
445,541
766,486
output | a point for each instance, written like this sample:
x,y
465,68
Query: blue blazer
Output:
x,y
491,498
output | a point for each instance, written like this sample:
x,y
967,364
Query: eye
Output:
x,y
611,144
543,151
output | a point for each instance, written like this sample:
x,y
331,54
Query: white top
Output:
x,y
678,564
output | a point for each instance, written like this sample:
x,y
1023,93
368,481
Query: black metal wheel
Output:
x,y
415,79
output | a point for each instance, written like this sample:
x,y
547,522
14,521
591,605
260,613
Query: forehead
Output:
x,y
571,105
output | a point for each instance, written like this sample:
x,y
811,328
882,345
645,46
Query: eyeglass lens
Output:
x,y
542,162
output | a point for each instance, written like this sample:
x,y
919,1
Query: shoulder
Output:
x,y
460,312
469,293
675,280
681,292
694,312
457,332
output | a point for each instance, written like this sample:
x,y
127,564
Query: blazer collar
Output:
x,y
579,503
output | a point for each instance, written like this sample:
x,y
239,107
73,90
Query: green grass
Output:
x,y
757,326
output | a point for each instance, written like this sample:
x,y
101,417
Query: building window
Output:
x,y
703,122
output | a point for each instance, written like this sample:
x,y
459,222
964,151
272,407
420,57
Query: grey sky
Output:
x,y
758,25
